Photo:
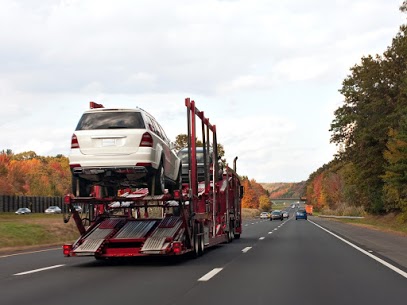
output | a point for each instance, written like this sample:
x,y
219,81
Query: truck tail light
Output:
x,y
177,194
177,247
67,250
146,140
67,199
74,142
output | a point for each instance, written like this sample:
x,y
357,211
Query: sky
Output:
x,y
265,72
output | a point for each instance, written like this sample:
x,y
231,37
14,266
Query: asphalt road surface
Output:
x,y
274,262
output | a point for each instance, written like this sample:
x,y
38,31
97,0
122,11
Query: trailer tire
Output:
x,y
201,249
196,242
237,236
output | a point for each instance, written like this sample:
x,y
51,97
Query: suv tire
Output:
x,y
156,182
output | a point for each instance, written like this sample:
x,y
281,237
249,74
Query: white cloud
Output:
x,y
266,72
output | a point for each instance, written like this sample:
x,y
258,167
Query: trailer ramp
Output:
x,y
157,242
95,238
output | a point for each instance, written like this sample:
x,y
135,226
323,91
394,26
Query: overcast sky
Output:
x,y
267,73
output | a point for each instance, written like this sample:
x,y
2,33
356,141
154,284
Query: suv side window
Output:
x,y
149,124
163,135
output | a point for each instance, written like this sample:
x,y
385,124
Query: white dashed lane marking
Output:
x,y
39,270
210,275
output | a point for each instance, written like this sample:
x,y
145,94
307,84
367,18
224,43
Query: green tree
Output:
x,y
395,177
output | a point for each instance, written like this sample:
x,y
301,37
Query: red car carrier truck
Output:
x,y
133,222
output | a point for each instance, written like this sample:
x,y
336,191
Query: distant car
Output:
x,y
78,208
277,214
53,210
264,215
23,211
301,214
285,214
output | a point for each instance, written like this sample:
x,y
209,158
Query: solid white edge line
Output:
x,y
38,270
383,262
210,275
31,252
245,250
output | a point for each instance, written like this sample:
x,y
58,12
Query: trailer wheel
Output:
x,y
196,245
197,240
231,235
237,236
201,249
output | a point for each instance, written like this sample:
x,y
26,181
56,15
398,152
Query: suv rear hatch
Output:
x,y
110,132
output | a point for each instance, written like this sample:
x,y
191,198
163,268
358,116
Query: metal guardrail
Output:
x,y
37,204
341,217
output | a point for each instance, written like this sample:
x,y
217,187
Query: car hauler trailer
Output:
x,y
135,223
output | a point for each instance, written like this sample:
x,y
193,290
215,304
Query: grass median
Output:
x,y
21,232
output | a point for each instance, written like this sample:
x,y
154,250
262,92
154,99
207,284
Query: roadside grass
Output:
x,y
279,206
19,232
387,223
250,213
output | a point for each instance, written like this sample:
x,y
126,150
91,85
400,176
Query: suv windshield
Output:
x,y
111,120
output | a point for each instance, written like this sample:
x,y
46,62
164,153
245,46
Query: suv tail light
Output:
x,y
146,140
74,142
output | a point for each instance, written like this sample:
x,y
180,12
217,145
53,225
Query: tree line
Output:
x,y
370,130
27,174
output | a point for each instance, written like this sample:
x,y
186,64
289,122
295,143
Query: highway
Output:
x,y
274,262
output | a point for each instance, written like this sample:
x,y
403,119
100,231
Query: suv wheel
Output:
x,y
177,185
156,183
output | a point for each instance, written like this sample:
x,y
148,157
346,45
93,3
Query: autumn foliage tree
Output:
x,y
253,194
32,175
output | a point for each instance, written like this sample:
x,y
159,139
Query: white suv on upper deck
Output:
x,y
120,148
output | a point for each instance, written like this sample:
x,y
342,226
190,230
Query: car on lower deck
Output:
x,y
200,166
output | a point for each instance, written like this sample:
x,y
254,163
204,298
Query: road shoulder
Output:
x,y
385,244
